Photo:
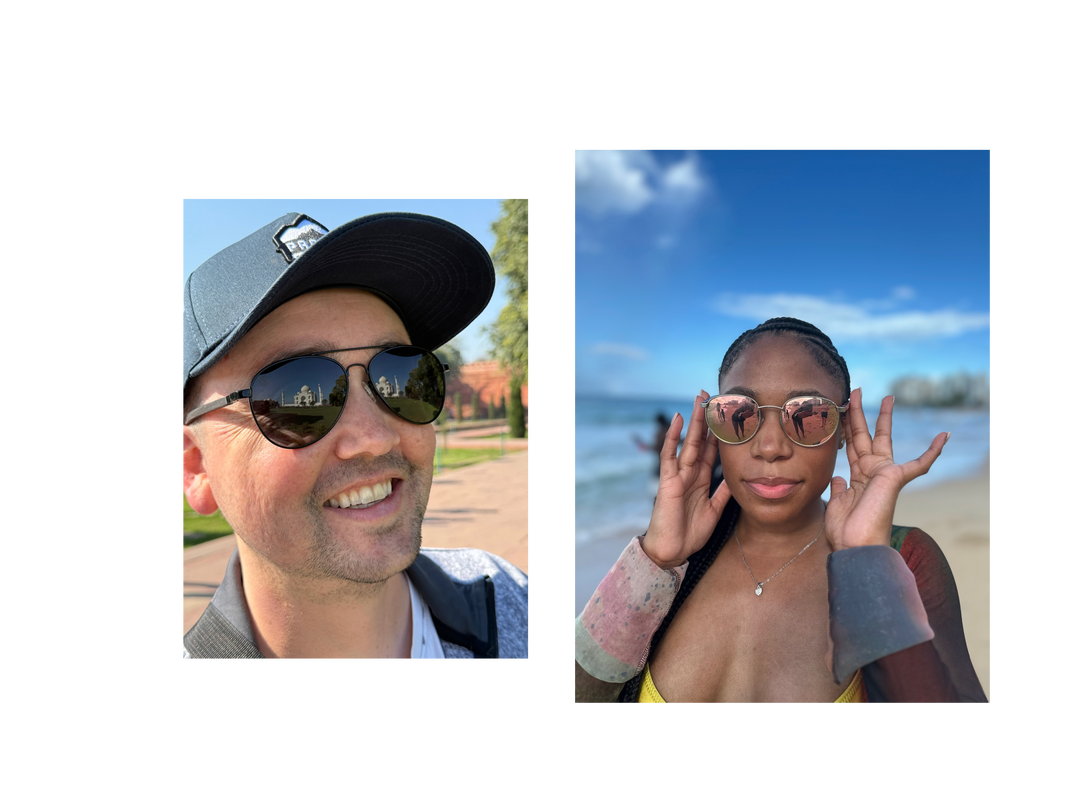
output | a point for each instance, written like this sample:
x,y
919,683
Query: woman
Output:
x,y
810,602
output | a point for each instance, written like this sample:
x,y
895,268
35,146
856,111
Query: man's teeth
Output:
x,y
362,497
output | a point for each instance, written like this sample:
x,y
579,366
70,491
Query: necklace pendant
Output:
x,y
758,589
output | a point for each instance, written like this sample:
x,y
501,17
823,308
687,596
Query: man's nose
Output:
x,y
365,380
366,426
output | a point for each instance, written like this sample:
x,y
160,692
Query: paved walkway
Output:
x,y
484,505
468,438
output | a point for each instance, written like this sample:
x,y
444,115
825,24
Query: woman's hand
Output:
x,y
684,515
862,514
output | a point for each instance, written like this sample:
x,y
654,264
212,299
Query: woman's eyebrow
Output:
x,y
800,392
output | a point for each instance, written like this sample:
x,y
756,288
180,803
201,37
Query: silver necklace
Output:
x,y
760,585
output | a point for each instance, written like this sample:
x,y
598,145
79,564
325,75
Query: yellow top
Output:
x,y
855,693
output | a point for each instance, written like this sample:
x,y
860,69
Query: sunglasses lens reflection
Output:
x,y
296,402
808,421
732,419
410,382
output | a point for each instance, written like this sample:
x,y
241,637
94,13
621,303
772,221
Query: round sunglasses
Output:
x,y
807,421
296,401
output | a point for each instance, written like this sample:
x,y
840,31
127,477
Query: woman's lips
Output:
x,y
771,488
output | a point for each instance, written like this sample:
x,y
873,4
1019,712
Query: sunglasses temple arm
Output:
x,y
217,403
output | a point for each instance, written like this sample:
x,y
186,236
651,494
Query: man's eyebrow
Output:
x,y
800,392
325,347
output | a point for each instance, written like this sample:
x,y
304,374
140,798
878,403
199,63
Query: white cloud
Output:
x,y
626,182
683,180
840,320
612,181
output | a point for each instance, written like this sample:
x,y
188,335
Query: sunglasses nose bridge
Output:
x,y
762,416
366,382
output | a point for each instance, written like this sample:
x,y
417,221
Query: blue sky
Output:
x,y
677,253
211,225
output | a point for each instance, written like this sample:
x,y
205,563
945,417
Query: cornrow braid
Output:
x,y
816,342
823,351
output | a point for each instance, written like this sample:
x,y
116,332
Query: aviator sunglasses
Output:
x,y
296,401
807,421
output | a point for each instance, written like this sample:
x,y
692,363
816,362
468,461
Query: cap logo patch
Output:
x,y
294,240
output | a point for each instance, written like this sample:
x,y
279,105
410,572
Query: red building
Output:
x,y
486,379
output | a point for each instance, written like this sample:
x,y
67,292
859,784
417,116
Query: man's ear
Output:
x,y
196,483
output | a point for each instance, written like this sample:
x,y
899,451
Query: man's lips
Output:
x,y
358,487
378,508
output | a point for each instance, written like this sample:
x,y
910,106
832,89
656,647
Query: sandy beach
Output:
x,y
955,513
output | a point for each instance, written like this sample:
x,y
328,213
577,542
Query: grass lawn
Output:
x,y
497,435
200,528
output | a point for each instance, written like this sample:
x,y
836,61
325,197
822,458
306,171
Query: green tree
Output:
x,y
491,407
475,406
457,405
512,334
502,407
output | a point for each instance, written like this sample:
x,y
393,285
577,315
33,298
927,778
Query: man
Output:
x,y
322,468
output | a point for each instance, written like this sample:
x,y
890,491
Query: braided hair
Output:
x,y
826,356
816,342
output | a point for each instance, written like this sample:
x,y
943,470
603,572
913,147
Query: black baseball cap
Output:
x,y
434,275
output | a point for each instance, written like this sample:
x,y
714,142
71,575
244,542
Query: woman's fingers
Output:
x,y
695,433
720,498
861,442
921,465
696,445
849,442
708,454
882,444
669,465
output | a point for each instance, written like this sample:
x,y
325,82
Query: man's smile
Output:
x,y
363,496
371,500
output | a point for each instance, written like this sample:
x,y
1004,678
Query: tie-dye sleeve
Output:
x,y
614,632
897,615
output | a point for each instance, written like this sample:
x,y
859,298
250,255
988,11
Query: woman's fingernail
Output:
x,y
676,416
947,435
704,394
